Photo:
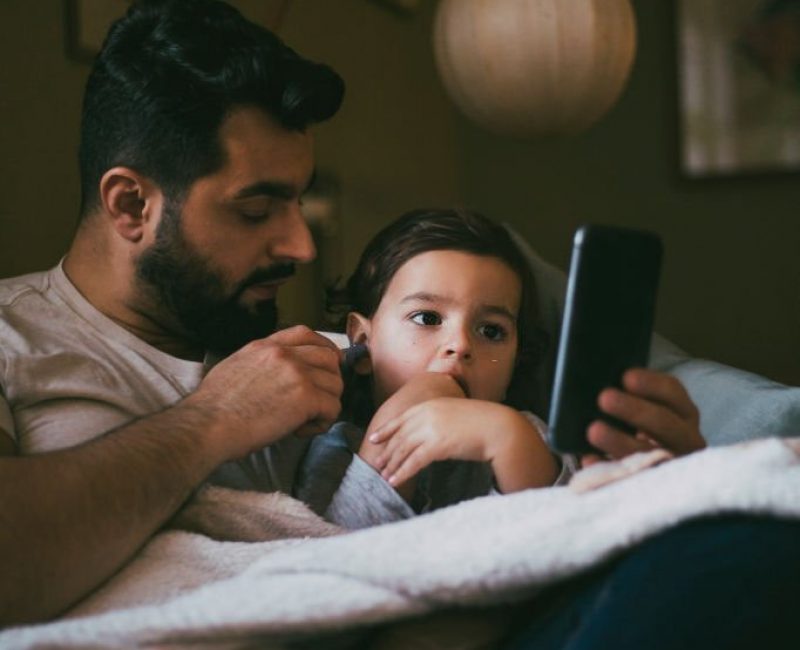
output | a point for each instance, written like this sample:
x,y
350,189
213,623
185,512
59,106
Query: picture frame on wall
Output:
x,y
739,86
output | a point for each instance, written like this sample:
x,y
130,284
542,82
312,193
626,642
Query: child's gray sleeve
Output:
x,y
567,462
365,499
323,468
337,484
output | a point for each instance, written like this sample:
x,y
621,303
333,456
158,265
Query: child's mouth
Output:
x,y
462,384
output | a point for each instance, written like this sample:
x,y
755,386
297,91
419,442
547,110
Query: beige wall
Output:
x,y
39,112
731,280
385,152
732,274
393,144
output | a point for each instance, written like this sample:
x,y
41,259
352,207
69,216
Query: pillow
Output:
x,y
734,405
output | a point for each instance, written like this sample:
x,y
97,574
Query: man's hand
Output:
x,y
660,409
288,382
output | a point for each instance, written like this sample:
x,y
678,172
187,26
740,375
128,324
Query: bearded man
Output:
x,y
195,151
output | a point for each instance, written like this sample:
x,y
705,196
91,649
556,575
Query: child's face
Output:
x,y
445,311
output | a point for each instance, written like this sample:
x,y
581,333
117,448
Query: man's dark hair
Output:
x,y
424,230
168,74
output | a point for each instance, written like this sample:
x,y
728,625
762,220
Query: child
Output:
x,y
444,303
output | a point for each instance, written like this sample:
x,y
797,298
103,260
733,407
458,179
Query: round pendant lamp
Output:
x,y
534,67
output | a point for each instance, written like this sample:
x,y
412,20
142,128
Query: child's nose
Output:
x,y
459,345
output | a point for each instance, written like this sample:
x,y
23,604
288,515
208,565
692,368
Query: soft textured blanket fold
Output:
x,y
186,588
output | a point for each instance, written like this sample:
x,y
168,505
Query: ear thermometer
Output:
x,y
352,353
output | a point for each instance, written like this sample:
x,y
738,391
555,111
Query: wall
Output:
x,y
386,154
731,283
393,144
731,280
40,95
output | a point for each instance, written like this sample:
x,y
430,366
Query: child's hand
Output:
x,y
419,389
438,429
461,429
658,406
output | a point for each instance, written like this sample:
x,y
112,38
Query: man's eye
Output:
x,y
493,332
426,318
255,210
254,217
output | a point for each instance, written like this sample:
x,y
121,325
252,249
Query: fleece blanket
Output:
x,y
313,581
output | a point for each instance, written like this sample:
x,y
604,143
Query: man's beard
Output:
x,y
194,293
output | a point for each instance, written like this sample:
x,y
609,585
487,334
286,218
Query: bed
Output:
x,y
238,569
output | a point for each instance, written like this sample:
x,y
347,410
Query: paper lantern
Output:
x,y
534,67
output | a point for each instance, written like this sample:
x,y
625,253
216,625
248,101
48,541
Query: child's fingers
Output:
x,y
390,428
394,444
397,456
411,466
386,430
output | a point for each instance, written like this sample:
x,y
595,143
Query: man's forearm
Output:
x,y
72,518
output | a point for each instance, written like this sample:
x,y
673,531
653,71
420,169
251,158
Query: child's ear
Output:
x,y
358,331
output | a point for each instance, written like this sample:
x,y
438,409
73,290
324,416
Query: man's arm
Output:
x,y
69,519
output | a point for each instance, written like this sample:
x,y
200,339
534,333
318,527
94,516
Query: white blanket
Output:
x,y
186,588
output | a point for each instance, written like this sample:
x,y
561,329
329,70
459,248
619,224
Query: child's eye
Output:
x,y
428,318
493,332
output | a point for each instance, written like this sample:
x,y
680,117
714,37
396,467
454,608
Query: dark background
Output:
x,y
731,280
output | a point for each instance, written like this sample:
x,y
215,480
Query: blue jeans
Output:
x,y
718,583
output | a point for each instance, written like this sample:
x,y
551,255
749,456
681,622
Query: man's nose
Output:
x,y
294,242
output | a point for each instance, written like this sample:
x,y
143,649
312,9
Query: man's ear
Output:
x,y
359,328
132,201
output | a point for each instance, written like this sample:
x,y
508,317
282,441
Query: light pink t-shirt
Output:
x,y
69,374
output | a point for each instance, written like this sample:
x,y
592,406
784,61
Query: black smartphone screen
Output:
x,y
606,328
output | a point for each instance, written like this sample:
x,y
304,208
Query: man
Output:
x,y
195,151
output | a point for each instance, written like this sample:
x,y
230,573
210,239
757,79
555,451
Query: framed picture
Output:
x,y
88,21
739,75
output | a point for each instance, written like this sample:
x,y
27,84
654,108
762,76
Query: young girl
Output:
x,y
443,303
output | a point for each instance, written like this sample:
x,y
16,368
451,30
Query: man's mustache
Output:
x,y
270,274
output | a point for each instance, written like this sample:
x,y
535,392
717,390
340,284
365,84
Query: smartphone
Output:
x,y
606,328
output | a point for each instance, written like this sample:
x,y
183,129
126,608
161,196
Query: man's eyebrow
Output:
x,y
266,188
426,296
274,189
